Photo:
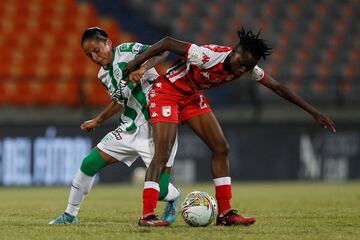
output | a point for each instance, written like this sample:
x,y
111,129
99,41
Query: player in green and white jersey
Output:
x,y
133,137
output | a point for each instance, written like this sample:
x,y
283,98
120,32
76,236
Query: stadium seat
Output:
x,y
304,35
48,62
95,94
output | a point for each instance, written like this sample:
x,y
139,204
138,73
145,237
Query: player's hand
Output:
x,y
135,76
89,125
324,121
131,66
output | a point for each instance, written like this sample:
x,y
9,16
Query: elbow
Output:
x,y
166,39
165,54
165,43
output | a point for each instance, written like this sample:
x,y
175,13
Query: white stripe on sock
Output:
x,y
151,184
222,181
173,193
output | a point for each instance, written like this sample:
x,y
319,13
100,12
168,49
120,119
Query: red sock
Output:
x,y
150,198
223,194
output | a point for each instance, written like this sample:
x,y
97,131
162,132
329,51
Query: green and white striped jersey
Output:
x,y
134,99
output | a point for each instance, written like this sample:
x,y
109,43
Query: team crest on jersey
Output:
x,y
166,111
124,46
118,73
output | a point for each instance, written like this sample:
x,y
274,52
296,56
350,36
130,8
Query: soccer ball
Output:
x,y
199,209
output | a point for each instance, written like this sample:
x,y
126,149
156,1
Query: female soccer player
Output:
x,y
177,96
133,137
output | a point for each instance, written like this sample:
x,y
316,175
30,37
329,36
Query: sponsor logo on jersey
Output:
x,y
117,133
216,48
154,114
205,74
205,58
136,48
152,93
152,105
117,95
202,102
166,111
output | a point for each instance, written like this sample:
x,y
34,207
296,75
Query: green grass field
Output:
x,y
283,211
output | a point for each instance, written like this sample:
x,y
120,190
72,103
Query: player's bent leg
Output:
x,y
164,135
82,184
208,129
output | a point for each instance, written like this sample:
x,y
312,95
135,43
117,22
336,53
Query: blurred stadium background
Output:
x,y
48,86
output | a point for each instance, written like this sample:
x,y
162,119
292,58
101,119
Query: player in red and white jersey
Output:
x,y
205,67
177,96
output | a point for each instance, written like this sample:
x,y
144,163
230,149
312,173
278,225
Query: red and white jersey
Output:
x,y
203,68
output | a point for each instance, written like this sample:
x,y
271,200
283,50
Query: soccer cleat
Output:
x,y
152,221
170,210
65,219
233,218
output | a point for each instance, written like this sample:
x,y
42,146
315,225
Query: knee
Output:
x,y
221,149
92,163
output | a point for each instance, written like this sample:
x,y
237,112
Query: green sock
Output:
x,y
164,185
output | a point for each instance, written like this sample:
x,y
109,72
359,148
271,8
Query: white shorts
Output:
x,y
127,147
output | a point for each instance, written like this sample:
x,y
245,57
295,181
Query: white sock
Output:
x,y
173,193
80,186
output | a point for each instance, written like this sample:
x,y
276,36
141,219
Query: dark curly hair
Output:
x,y
252,43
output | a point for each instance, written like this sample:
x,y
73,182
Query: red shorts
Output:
x,y
168,104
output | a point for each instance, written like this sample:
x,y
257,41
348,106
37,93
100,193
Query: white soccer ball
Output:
x,y
199,209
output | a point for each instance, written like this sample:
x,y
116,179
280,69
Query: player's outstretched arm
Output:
x,y
108,112
165,44
287,94
152,62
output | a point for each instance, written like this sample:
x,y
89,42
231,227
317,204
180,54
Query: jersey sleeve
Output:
x,y
256,74
139,48
206,56
134,48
